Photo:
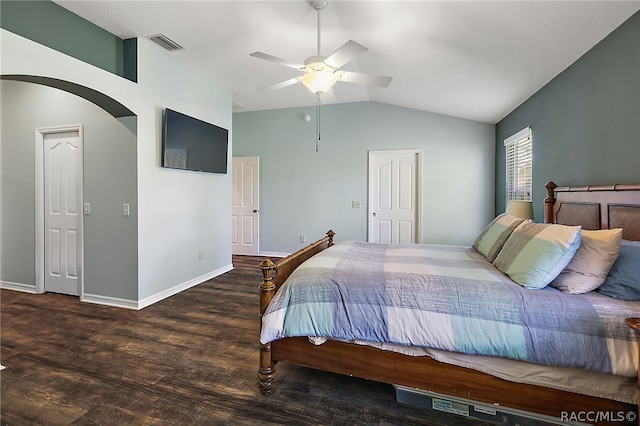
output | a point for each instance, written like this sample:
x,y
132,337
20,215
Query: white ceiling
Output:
x,y
474,59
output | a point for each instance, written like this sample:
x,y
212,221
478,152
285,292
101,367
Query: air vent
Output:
x,y
165,42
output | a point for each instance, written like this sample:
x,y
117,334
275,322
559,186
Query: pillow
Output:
x,y
536,253
493,237
623,281
591,263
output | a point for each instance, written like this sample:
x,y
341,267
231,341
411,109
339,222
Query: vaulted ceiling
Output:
x,y
471,59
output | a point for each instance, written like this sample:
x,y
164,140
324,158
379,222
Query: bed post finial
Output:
x,y
330,234
549,201
266,371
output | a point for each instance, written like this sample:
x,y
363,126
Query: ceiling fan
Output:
x,y
320,72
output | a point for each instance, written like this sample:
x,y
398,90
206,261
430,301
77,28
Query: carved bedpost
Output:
x,y
330,234
549,201
266,371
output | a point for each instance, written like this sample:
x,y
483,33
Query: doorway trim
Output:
x,y
40,134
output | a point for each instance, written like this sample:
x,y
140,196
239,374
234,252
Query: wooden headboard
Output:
x,y
595,207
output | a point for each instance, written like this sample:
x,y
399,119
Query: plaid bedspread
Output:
x,y
450,298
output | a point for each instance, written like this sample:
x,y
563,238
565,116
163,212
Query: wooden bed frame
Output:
x,y
593,207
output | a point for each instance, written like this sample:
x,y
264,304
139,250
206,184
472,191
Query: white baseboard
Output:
x,y
109,301
126,303
27,288
147,301
91,298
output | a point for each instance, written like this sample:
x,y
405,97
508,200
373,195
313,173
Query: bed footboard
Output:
x,y
273,276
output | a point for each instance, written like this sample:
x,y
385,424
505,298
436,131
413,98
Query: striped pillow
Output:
x,y
536,253
493,237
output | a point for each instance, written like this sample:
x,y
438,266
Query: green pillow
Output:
x,y
536,253
493,237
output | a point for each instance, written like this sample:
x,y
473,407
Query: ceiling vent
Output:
x,y
165,42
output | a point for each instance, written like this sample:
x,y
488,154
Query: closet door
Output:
x,y
394,190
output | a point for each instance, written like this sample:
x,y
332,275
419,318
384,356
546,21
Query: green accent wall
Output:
x,y
130,59
585,122
41,21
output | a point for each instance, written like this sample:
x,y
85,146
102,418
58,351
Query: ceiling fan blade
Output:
x,y
277,60
345,53
360,78
280,85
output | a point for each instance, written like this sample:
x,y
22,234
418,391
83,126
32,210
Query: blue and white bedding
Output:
x,y
449,298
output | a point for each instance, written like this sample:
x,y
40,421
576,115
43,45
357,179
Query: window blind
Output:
x,y
519,165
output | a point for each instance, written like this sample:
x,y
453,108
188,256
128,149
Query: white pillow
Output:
x,y
590,265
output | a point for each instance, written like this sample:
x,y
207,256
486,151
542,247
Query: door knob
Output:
x,y
255,211
374,214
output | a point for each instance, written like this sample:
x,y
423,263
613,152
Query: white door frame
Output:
x,y
418,206
40,191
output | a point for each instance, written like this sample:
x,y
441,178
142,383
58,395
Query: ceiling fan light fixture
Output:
x,y
319,82
319,77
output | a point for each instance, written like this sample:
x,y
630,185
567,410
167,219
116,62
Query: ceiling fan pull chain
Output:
x,y
317,122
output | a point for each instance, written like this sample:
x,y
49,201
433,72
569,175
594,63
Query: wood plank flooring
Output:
x,y
190,359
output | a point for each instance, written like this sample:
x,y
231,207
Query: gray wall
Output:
x,y
303,192
177,214
110,255
585,122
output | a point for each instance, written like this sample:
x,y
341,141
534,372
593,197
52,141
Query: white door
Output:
x,y
394,196
245,216
62,212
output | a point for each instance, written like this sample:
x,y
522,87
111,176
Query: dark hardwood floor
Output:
x,y
190,359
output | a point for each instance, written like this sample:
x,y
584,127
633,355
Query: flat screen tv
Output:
x,y
192,144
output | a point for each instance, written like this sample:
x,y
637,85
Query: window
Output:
x,y
519,165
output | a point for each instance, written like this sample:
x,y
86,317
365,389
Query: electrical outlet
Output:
x,y
303,239
201,255
355,204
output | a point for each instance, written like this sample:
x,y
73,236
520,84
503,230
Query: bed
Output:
x,y
523,381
